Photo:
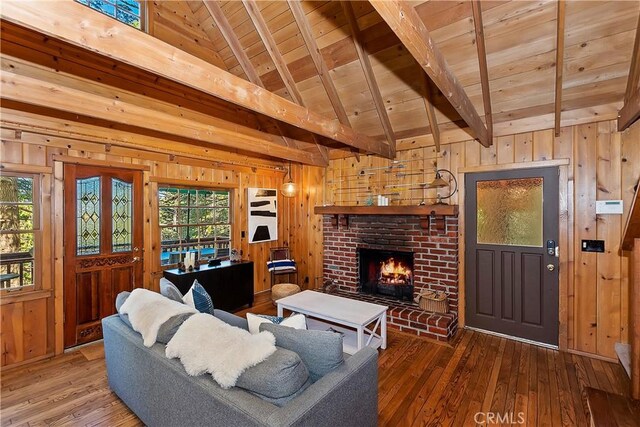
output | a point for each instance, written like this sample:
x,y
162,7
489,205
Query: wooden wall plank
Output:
x,y
594,295
543,145
523,147
630,175
585,228
563,149
505,149
33,329
608,229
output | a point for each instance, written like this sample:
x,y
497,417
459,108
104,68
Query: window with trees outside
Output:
x,y
130,12
19,230
194,220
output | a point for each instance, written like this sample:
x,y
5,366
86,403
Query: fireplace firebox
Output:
x,y
385,272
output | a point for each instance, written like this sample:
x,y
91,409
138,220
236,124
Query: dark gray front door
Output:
x,y
511,236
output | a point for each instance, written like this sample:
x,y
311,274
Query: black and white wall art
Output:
x,y
263,214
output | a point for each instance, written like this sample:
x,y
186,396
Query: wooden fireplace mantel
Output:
x,y
341,213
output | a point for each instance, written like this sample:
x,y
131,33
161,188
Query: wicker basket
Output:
x,y
433,301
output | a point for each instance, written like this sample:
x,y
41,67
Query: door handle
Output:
x,y
135,259
551,267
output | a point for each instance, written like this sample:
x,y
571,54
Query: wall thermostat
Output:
x,y
609,207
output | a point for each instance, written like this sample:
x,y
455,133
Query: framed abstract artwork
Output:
x,y
263,214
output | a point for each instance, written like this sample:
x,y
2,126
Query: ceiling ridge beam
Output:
x,y
561,5
119,109
476,5
105,36
407,25
431,113
369,75
321,66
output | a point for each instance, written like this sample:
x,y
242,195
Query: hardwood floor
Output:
x,y
420,383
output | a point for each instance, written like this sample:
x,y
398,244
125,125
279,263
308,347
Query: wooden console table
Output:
x,y
230,285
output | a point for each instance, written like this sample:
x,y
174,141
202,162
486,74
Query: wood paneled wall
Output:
x,y
32,323
604,165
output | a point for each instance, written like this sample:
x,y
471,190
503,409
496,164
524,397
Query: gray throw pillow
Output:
x,y
278,379
232,319
321,351
168,328
120,299
170,290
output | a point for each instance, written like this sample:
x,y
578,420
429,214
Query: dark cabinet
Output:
x,y
230,285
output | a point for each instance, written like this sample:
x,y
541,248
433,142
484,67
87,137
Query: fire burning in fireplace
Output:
x,y
394,272
386,272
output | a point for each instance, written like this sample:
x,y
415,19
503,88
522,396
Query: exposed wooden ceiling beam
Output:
x,y
630,112
267,39
431,113
105,36
559,63
407,25
634,68
272,49
57,132
318,61
38,86
229,35
476,6
363,56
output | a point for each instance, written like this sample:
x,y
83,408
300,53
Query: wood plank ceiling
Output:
x,y
521,39
341,60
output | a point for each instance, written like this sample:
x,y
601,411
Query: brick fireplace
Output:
x,y
435,265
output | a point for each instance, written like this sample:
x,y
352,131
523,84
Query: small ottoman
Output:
x,y
282,290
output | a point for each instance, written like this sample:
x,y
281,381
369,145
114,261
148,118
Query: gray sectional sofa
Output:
x,y
161,393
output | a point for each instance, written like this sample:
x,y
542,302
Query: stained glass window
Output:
x,y
194,220
88,215
130,12
509,212
122,227
19,230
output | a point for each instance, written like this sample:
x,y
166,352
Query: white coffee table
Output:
x,y
355,316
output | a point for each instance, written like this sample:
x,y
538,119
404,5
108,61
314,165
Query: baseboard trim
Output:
x,y
509,337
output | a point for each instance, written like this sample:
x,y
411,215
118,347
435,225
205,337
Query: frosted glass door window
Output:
x,y
510,212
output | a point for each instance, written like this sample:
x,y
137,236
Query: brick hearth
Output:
x,y
435,266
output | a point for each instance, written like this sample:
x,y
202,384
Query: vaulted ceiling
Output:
x,y
520,39
304,77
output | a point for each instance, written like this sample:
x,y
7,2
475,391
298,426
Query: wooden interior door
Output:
x,y
511,258
102,245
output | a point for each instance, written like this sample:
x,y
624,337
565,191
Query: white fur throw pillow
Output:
x,y
295,321
207,344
